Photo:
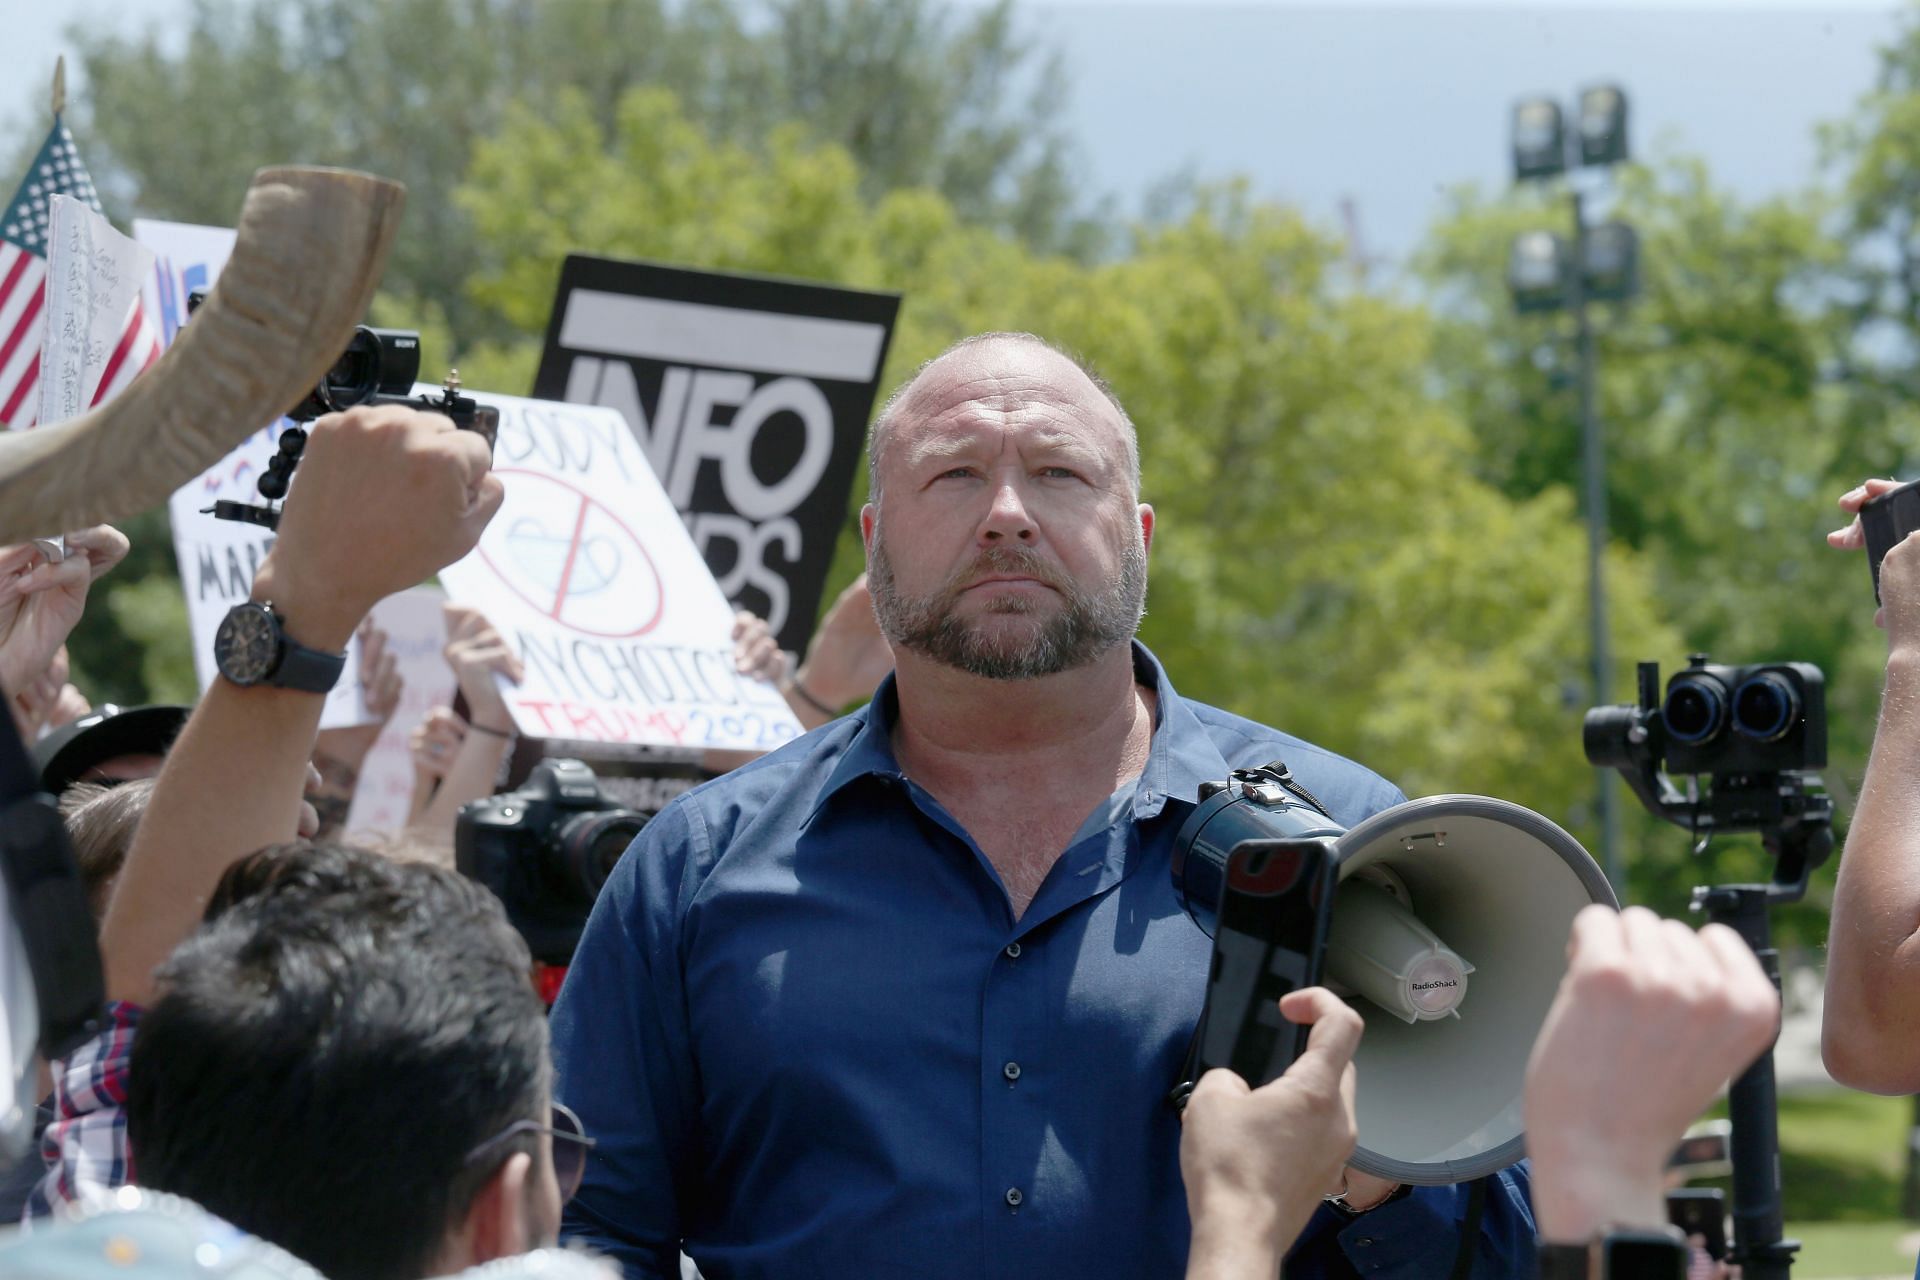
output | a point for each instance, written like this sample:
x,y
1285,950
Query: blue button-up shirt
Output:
x,y
812,1039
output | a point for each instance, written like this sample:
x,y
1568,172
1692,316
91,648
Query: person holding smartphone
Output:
x,y
1870,1028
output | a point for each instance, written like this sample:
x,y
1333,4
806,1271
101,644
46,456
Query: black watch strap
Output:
x,y
1560,1261
307,670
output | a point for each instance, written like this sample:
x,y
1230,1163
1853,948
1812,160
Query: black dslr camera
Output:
x,y
545,851
379,366
1759,734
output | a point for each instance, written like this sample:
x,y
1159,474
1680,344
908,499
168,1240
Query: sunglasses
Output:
x,y
570,1147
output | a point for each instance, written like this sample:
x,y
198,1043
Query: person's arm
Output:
x,y
845,662
383,498
340,754
476,651
1649,1024
434,744
623,1055
1256,1162
1870,1024
41,601
1419,1234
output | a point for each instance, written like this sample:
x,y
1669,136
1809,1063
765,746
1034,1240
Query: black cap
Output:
x,y
65,755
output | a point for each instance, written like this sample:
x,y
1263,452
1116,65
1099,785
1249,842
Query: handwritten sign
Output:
x,y
416,634
93,280
218,558
591,576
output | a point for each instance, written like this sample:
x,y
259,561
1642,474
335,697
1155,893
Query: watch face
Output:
x,y
247,646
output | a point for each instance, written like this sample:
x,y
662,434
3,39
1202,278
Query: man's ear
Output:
x,y
868,517
1146,525
496,1224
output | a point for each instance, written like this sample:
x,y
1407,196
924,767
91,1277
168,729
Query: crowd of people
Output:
x,y
902,998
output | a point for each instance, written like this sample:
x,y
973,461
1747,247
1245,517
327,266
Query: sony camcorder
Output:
x,y
379,366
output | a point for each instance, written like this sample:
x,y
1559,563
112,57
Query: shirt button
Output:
x,y
1364,1241
1013,951
1011,1071
1014,1197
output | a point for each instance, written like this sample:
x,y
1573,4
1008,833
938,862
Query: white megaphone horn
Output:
x,y
1448,932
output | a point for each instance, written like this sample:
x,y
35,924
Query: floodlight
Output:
x,y
1603,125
1611,271
1539,139
1537,271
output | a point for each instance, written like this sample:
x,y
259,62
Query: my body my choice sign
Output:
x,y
593,580
750,397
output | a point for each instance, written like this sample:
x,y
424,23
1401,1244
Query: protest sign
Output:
x,y
93,281
589,574
750,397
416,634
217,558
185,258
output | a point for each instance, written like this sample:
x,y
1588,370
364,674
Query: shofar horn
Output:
x,y
312,244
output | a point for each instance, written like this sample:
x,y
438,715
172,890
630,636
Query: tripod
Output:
x,y
1795,820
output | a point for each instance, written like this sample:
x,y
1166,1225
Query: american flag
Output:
x,y
23,279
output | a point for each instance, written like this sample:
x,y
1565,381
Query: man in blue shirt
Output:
x,y
906,996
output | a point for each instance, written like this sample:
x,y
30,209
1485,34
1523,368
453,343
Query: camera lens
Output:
x,y
1607,735
1765,707
355,376
588,845
1696,709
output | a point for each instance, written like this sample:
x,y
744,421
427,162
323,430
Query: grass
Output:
x,y
1842,1155
1842,1158
1836,1249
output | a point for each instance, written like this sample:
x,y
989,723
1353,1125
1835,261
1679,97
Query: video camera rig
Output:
x,y
379,366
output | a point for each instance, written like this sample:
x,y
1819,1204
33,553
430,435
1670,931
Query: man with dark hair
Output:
x,y
907,996
359,1076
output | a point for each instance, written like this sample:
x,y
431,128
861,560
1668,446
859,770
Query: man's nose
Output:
x,y
1007,518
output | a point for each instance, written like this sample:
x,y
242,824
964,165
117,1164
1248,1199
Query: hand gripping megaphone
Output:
x,y
1447,931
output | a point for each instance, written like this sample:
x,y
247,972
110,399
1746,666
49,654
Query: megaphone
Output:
x,y
1448,933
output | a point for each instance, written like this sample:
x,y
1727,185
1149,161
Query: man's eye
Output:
x,y
1058,473
953,473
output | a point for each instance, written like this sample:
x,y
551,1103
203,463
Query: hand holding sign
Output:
x,y
385,497
477,653
41,600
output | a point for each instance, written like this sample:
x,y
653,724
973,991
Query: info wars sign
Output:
x,y
750,398
591,577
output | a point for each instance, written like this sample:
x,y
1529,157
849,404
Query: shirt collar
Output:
x,y
1183,754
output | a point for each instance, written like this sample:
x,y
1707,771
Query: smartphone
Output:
x,y
1271,938
1886,520
1701,1211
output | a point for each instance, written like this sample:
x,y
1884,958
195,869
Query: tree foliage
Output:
x,y
920,94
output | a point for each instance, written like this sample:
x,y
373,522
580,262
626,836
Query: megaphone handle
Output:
x,y
1470,1228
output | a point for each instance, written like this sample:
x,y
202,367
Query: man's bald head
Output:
x,y
981,347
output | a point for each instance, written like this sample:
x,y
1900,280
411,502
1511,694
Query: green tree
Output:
x,y
1731,425
919,93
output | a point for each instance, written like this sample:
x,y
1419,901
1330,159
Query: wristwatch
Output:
x,y
252,648
1618,1253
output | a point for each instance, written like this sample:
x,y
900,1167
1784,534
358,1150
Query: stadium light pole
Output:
x,y
1547,273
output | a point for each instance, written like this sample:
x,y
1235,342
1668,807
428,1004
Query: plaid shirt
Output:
x,y
85,1145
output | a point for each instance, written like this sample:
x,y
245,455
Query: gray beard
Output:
x,y
1092,623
